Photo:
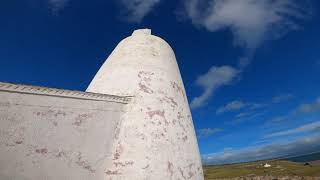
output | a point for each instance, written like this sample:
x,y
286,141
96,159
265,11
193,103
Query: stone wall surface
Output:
x,y
50,134
157,138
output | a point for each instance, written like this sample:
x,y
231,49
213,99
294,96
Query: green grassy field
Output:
x,y
279,168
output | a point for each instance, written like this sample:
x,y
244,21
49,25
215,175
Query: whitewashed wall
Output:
x,y
49,134
157,138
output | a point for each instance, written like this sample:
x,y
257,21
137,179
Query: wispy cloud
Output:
x,y
314,126
278,119
205,132
281,98
57,5
250,110
251,22
312,107
135,10
232,106
238,105
300,109
242,117
296,147
254,106
243,114
211,81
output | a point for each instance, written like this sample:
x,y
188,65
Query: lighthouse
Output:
x,y
155,136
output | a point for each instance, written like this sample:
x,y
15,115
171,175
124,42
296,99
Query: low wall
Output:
x,y
56,134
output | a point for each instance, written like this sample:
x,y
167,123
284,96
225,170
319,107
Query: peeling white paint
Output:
x,y
157,138
133,123
55,137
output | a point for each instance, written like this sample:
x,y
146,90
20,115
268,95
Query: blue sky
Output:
x,y
251,68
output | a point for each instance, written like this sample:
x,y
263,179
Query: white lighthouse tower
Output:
x,y
155,137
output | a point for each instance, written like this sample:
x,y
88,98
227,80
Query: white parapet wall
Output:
x,y
54,134
157,140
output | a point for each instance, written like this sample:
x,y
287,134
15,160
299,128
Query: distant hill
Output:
x,y
285,168
256,170
305,158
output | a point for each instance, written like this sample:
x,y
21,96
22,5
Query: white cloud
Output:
x,y
57,5
278,119
243,114
208,132
307,108
232,106
250,21
136,10
281,98
297,147
211,81
314,126
250,110
301,109
250,107
254,106
237,105
242,117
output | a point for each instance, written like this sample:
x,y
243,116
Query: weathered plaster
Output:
x,y
156,138
55,136
144,130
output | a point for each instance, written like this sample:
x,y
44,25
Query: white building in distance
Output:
x,y
266,165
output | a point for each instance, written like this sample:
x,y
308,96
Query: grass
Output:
x,y
278,168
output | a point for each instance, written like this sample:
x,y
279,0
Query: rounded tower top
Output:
x,y
141,51
141,32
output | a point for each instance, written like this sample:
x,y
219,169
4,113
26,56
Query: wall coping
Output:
x,y
38,90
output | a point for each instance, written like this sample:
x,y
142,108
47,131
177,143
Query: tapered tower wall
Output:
x,y
156,137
